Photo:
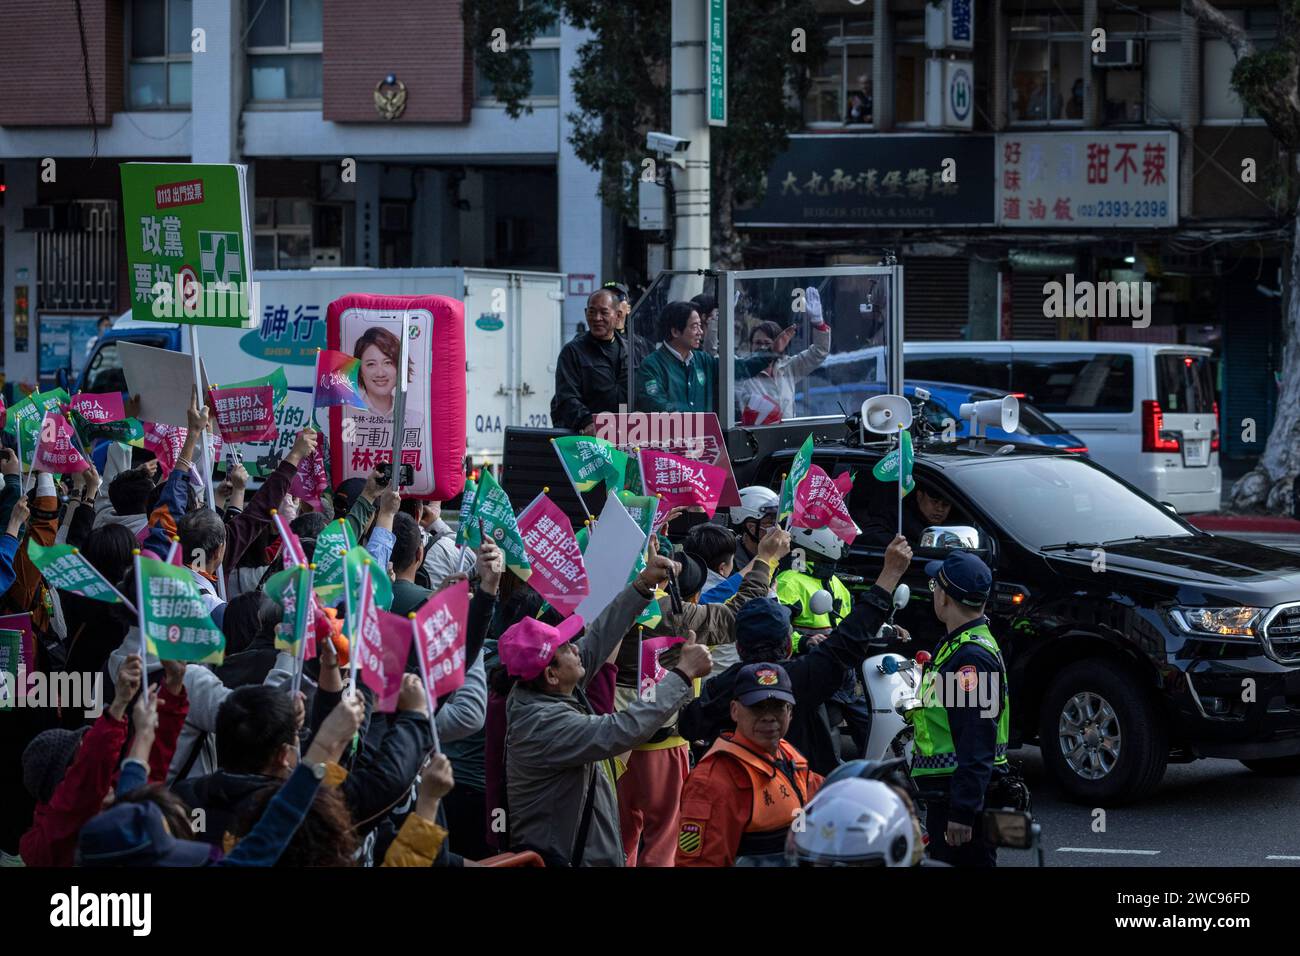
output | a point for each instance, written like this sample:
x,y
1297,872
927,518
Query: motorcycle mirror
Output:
x,y
902,594
890,664
820,602
922,657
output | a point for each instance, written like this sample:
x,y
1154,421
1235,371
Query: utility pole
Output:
x,y
692,202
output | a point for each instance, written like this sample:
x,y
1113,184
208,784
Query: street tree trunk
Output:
x,y
728,246
1269,485
1270,84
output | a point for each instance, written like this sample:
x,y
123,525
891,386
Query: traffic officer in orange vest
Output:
x,y
741,799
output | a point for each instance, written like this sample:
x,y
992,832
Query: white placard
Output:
x,y
616,540
163,380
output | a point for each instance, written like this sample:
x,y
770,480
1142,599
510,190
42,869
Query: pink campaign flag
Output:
x,y
245,414
383,641
439,628
559,574
55,451
844,482
819,503
311,480
98,407
166,442
650,671
681,481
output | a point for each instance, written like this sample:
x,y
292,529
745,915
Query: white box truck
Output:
x,y
513,334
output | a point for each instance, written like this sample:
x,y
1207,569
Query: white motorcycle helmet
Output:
x,y
755,501
821,541
853,822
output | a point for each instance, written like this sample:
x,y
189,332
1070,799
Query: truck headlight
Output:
x,y
1224,623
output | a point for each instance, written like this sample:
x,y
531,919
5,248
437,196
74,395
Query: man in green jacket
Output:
x,y
678,376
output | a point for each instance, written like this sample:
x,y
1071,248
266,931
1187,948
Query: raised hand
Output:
x,y
695,660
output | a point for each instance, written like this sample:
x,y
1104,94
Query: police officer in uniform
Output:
x,y
740,800
962,729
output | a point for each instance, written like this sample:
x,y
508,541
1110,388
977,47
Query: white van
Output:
x,y
1147,412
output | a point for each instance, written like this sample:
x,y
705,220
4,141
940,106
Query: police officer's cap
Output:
x,y
964,576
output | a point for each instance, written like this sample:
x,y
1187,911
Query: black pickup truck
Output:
x,y
1132,638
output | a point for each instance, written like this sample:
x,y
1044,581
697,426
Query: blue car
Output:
x,y
946,399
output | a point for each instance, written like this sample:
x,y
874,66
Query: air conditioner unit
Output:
x,y
1119,54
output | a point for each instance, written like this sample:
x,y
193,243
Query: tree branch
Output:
x,y
1218,23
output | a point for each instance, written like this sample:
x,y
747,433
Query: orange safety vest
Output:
x,y
776,797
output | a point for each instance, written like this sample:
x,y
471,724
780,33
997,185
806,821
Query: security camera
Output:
x,y
666,143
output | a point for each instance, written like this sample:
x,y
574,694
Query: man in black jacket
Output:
x,y
922,510
763,634
591,373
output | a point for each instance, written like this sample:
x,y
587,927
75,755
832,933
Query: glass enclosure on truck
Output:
x,y
766,347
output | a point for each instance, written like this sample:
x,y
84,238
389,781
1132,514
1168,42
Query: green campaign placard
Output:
x,y
174,616
65,569
188,243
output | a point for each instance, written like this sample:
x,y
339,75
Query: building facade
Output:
x,y
1046,156
369,137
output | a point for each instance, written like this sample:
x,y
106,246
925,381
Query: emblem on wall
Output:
x,y
390,97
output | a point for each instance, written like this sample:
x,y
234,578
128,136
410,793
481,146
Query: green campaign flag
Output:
x,y
277,380
466,526
632,476
24,423
288,589
588,461
887,468
642,508
25,417
380,586
64,569
11,651
798,472
188,243
174,616
336,537
493,507
126,430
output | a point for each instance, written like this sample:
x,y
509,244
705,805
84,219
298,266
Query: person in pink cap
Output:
x,y
560,773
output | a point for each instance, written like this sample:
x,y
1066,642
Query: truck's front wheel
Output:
x,y
1101,735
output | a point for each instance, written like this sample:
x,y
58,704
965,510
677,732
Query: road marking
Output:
x,y
1278,857
1089,849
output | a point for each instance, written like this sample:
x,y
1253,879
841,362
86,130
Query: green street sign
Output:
x,y
716,44
188,243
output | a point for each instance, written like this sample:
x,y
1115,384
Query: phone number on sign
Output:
x,y
1124,208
